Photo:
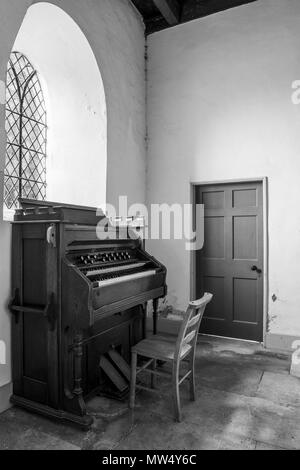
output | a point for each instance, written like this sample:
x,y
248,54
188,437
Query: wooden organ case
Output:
x,y
76,297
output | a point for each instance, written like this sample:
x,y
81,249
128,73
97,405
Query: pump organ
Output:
x,y
76,299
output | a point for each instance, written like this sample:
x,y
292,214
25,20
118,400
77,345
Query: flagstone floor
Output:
x,y
246,399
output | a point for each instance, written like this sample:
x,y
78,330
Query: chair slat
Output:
x,y
194,320
188,338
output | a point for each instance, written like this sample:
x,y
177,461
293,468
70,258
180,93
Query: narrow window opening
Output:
x,y
26,128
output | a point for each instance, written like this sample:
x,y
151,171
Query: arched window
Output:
x,y
26,127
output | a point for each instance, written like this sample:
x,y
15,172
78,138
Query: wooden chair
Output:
x,y
158,348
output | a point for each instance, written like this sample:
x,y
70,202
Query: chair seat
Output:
x,y
158,347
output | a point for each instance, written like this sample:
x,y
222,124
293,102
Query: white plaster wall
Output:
x,y
219,107
116,35
75,102
11,16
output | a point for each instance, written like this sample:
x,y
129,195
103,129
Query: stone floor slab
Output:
x,y
243,381
246,399
285,391
14,436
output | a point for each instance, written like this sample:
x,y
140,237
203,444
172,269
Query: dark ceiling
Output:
x,y
161,14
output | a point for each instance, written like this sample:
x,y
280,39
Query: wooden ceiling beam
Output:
x,y
169,9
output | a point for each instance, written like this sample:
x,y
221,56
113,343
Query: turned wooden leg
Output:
x,y
155,313
144,310
133,380
78,353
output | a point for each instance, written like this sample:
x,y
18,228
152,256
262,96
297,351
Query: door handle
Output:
x,y
255,268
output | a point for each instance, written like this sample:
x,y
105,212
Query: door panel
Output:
x,y
245,237
214,199
215,284
244,198
233,245
244,300
214,233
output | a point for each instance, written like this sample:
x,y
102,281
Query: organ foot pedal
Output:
x,y
117,370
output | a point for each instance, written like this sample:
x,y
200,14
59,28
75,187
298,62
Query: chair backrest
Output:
x,y
190,325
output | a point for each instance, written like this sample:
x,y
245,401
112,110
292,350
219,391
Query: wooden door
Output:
x,y
230,265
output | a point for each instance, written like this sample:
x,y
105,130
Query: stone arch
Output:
x,y
73,85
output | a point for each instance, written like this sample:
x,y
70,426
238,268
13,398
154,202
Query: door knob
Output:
x,y
255,268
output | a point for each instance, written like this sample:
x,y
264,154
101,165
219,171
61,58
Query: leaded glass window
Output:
x,y
26,127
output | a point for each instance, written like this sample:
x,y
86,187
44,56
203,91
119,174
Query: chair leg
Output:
x,y
153,376
192,386
176,395
133,380
192,380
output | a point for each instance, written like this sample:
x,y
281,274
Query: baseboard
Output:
x,y
279,342
5,394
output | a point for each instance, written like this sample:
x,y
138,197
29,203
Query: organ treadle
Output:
x,y
78,305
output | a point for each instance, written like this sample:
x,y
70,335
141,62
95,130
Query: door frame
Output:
x,y
264,181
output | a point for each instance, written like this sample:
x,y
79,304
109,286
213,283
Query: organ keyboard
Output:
x,y
123,278
78,301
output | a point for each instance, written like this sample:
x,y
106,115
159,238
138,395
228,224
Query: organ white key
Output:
x,y
128,277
